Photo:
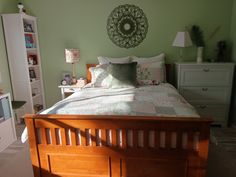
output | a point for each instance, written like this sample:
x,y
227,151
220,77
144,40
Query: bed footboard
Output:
x,y
127,146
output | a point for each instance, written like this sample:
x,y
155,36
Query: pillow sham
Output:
x,y
122,75
151,71
99,76
158,58
107,60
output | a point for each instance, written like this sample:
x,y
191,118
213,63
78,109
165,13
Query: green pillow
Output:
x,y
122,75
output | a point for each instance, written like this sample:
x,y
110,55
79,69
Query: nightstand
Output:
x,y
207,86
67,90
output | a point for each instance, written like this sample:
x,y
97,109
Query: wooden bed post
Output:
x,y
33,146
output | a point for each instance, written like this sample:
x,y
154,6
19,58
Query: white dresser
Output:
x,y
207,86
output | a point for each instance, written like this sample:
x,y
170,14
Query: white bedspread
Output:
x,y
158,100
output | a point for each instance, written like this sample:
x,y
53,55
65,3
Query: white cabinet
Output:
x,y
24,60
7,125
207,86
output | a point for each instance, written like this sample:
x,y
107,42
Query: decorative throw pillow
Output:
x,y
107,60
123,75
151,71
99,76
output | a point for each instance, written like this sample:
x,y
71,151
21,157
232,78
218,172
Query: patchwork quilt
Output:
x,y
155,100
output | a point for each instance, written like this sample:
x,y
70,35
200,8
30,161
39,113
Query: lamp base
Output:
x,y
73,80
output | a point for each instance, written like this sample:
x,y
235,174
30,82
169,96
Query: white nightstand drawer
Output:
x,y
67,90
208,75
214,95
216,112
71,89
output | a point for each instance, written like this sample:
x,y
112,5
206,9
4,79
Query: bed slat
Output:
x,y
123,139
135,138
113,138
83,137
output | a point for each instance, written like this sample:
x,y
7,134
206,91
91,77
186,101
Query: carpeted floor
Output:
x,y
222,153
225,138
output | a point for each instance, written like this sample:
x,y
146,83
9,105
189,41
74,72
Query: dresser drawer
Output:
x,y
208,75
217,112
214,95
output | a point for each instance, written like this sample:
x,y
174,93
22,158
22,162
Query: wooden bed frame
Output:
x,y
117,146
77,145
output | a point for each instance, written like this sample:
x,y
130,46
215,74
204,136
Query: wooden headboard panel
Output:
x,y
168,72
89,77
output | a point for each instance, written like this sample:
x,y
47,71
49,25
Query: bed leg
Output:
x,y
33,146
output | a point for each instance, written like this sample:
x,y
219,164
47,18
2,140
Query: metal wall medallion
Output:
x,y
127,26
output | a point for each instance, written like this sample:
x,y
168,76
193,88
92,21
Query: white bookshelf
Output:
x,y
23,51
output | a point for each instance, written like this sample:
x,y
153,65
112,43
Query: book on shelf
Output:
x,y
28,28
32,59
32,74
29,41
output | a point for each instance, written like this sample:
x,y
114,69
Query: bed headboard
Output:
x,y
89,77
168,72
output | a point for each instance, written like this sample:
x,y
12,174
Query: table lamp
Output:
x,y
72,56
182,40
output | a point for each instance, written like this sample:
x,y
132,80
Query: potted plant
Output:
x,y
198,40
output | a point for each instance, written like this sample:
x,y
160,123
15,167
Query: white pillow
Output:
x,y
107,60
99,76
151,71
158,58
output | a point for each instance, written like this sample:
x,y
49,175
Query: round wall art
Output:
x,y
127,26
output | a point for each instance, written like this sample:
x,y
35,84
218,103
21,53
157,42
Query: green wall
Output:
x,y
6,6
82,24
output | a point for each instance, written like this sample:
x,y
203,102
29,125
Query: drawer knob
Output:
x,y
204,89
203,106
206,69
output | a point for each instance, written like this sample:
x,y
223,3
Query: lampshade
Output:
x,y
72,55
182,39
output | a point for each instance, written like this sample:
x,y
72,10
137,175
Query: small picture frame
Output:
x,y
28,28
32,73
29,41
32,59
67,77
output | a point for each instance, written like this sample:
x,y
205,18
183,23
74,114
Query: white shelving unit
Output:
x,y
7,124
24,60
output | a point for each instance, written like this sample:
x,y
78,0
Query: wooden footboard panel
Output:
x,y
115,146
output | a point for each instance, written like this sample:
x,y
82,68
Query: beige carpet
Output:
x,y
15,161
222,153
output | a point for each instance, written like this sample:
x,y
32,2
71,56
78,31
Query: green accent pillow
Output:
x,y
122,75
